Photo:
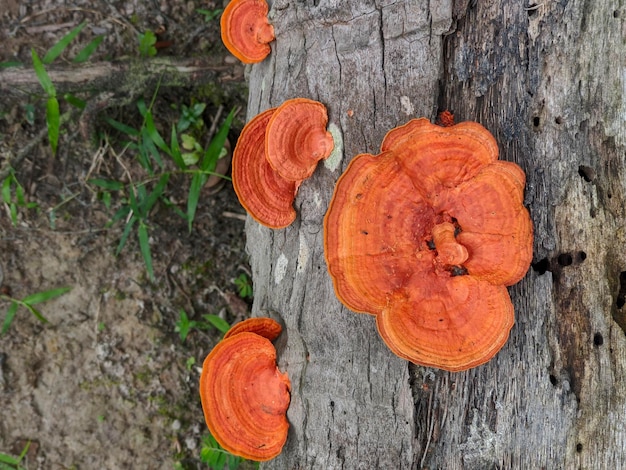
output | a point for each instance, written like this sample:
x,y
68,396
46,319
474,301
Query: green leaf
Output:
x,y
154,135
45,295
147,204
176,155
147,41
6,189
144,246
149,146
219,323
125,234
197,181
76,102
9,317
107,184
217,143
86,52
123,127
42,75
53,118
37,313
10,63
56,50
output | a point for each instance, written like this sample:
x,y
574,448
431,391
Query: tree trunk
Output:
x,y
549,81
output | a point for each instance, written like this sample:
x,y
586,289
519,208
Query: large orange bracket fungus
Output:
x,y
276,150
244,395
246,31
426,236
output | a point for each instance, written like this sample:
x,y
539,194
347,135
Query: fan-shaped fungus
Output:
x,y
261,326
265,195
426,236
297,138
276,150
246,32
244,395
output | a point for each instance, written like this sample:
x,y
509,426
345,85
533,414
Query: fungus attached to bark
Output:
x,y
276,150
297,138
246,31
244,395
426,236
265,195
261,326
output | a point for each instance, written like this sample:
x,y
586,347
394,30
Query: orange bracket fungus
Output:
x,y
297,138
426,236
276,150
265,195
244,395
246,32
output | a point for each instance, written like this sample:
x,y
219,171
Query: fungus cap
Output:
x,y
262,326
297,138
426,236
265,195
245,397
246,31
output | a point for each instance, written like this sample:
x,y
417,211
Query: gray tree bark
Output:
x,y
549,81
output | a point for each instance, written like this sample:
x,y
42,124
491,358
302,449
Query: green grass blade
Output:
x,y
125,234
37,313
85,53
6,189
10,63
141,106
144,246
197,182
150,147
9,318
4,458
176,154
76,102
154,135
53,119
132,200
107,184
56,50
123,127
219,323
45,295
42,75
147,203
212,153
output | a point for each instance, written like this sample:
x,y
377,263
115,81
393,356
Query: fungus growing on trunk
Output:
x,y
265,195
276,150
244,395
426,236
246,31
297,138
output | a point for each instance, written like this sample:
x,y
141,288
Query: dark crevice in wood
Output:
x,y
587,173
598,339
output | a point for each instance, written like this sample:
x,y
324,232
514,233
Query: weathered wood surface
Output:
x,y
549,81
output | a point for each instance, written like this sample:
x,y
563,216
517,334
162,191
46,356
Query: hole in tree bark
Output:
x,y
579,447
564,259
581,256
587,173
536,121
598,340
541,266
553,380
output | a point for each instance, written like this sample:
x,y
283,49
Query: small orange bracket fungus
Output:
x,y
297,138
276,150
426,236
265,195
246,32
244,395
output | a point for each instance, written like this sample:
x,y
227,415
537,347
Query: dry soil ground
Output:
x,y
108,383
